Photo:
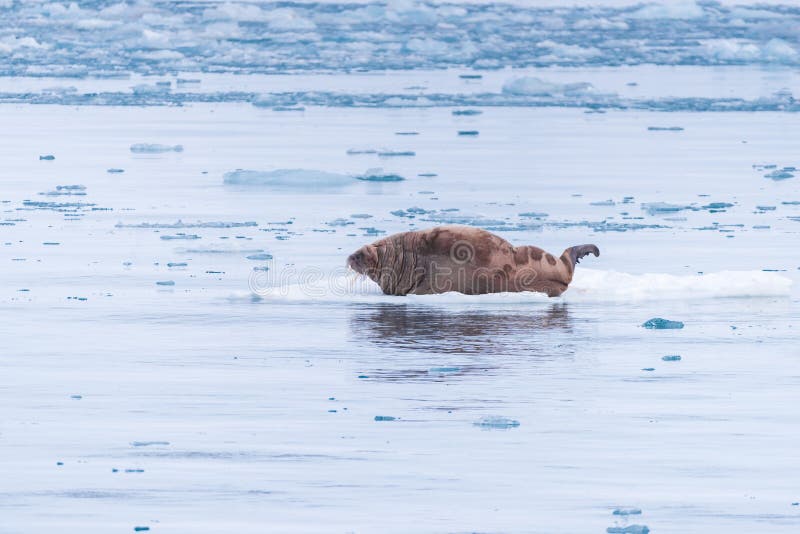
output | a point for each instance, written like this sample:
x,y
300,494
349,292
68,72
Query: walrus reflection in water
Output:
x,y
464,259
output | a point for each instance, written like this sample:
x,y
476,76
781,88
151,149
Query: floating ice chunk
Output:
x,y
444,369
630,529
165,283
657,323
148,443
115,171
533,215
177,264
627,511
379,175
385,418
654,208
153,148
532,86
360,151
261,256
466,112
781,174
288,108
395,153
48,157
608,202
665,128
180,235
671,358
496,422
470,133
287,178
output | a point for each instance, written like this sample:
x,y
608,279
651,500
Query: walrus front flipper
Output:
x,y
577,252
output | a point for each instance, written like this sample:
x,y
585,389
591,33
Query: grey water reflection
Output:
x,y
524,331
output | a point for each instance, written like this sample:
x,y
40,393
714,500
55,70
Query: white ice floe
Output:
x,y
589,285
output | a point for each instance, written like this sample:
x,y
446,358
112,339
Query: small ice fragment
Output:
x,y
496,421
671,358
665,128
717,206
444,369
627,511
360,151
533,214
154,148
76,397
141,529
648,369
470,76
134,470
260,256
608,202
385,418
378,175
165,283
114,170
288,108
406,133
48,157
59,463
468,132
630,529
148,443
654,208
180,235
427,174
51,243
657,323
177,264
782,174
361,216
363,376
466,112
396,153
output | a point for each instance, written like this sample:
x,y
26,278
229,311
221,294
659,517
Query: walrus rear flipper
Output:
x,y
577,252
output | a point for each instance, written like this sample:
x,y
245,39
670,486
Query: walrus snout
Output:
x,y
362,260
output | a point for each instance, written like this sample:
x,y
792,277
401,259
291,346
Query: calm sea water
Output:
x,y
146,384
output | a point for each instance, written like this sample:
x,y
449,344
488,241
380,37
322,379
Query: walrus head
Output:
x,y
364,261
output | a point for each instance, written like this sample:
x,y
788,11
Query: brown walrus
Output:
x,y
464,259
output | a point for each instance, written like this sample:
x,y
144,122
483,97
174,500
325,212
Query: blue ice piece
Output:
x,y
378,175
496,421
627,511
165,283
654,208
260,257
665,128
154,148
657,323
444,369
48,157
385,418
671,358
114,170
466,112
471,133
630,529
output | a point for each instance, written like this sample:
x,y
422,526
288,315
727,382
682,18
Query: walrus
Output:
x,y
463,259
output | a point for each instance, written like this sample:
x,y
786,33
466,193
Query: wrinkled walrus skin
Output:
x,y
464,259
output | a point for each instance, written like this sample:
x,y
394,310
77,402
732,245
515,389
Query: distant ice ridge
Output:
x,y
588,285
110,39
